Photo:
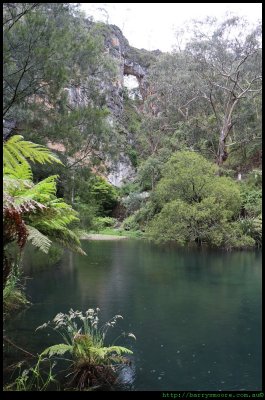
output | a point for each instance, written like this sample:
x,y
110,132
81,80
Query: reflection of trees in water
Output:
x,y
190,310
104,274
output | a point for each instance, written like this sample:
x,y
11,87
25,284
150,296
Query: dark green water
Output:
x,y
196,314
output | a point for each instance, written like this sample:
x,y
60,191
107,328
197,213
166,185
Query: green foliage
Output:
x,y
57,349
100,223
143,57
188,175
257,230
87,213
128,188
104,194
38,239
16,151
130,224
94,197
28,63
251,200
210,84
252,227
149,172
145,215
32,211
132,154
36,378
132,202
196,205
254,179
13,294
54,67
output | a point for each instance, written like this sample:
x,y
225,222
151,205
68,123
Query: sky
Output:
x,y
153,25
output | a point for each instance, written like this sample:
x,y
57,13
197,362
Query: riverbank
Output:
x,y
112,234
98,236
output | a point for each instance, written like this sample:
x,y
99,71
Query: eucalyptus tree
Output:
x,y
228,65
55,66
206,96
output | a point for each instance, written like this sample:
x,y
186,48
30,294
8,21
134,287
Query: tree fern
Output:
x,y
19,171
42,191
16,151
38,239
32,211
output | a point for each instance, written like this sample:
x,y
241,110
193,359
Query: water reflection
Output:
x,y
196,314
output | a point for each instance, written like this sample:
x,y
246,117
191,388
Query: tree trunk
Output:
x,y
222,148
222,153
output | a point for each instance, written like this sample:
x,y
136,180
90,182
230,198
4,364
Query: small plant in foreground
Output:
x,y
35,378
93,364
13,294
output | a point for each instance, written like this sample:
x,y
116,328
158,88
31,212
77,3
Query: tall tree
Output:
x,y
228,64
54,67
206,95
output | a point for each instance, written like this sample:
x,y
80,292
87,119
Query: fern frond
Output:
x,y
43,190
58,349
35,204
19,171
16,150
15,187
117,349
103,352
38,239
67,239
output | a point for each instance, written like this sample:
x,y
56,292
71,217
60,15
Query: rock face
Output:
x,y
130,61
121,171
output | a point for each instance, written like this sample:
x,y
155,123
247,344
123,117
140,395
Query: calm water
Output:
x,y
196,314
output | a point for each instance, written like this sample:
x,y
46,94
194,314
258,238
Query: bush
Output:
x,y
87,214
196,205
130,224
100,223
254,178
104,194
132,202
128,188
253,227
251,201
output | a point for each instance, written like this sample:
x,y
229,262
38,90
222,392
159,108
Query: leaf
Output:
x,y
16,151
38,239
116,349
58,349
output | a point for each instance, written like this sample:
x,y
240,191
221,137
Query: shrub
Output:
x,y
130,224
194,204
100,223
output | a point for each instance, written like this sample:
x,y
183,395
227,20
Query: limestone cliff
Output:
x,y
129,61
